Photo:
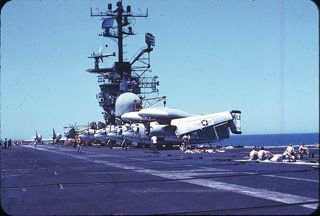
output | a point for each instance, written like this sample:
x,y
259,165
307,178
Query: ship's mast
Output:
x,y
124,76
120,37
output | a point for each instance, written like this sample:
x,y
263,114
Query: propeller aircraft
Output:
x,y
167,124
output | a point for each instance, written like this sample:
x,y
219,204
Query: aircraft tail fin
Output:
x,y
235,124
53,134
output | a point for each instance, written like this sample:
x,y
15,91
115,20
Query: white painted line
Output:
x,y
254,192
249,191
311,206
280,162
292,178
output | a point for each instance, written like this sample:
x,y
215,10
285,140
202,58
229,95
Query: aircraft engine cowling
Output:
x,y
127,102
161,130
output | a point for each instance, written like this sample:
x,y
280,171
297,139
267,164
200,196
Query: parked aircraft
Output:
x,y
167,124
57,138
72,135
88,135
37,139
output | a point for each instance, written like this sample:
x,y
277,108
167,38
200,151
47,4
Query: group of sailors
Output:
x,y
186,141
6,143
289,154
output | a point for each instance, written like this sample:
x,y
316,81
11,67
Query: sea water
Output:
x,y
271,139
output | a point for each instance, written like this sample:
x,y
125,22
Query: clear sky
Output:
x,y
257,56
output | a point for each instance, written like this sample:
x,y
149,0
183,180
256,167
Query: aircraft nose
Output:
x,y
83,137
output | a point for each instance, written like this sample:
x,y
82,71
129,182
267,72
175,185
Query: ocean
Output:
x,y
271,139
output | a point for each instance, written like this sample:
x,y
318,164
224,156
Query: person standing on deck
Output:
x,y
154,141
5,143
9,143
185,142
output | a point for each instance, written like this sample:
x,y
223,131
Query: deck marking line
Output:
x,y
293,178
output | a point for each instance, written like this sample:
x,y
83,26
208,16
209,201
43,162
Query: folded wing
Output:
x,y
215,120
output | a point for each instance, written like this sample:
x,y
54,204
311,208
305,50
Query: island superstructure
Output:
x,y
124,88
123,76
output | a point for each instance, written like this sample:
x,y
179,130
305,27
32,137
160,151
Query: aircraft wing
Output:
x,y
29,140
194,123
46,139
185,122
159,114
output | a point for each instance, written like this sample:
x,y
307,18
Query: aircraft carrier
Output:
x,y
57,180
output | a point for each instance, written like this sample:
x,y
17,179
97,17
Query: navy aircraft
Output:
x,y
167,124
72,134
88,135
34,139
38,139
57,138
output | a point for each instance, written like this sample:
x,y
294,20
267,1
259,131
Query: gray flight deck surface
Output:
x,y
56,180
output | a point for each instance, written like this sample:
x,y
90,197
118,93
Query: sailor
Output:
x,y
154,143
303,150
289,153
264,155
5,143
9,143
80,145
185,142
253,154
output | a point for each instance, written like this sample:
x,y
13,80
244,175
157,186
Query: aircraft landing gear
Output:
x,y
124,145
110,144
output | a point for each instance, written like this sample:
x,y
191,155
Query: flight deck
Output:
x,y
57,180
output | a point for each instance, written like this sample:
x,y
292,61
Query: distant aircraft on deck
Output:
x,y
56,139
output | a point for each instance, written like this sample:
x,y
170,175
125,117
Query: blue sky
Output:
x,y
260,57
